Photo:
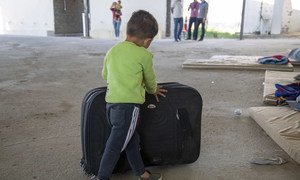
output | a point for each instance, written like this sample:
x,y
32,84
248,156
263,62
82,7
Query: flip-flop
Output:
x,y
297,77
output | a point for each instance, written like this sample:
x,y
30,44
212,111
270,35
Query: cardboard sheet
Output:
x,y
234,62
282,124
273,77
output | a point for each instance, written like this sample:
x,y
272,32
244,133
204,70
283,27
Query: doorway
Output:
x,y
68,17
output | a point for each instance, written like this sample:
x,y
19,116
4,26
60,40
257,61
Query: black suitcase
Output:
x,y
169,130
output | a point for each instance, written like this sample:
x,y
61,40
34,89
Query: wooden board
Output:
x,y
234,62
282,124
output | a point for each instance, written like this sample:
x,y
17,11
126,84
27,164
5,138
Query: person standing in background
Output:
x,y
117,13
201,18
177,11
194,7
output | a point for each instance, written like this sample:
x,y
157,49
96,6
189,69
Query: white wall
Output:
x,y
101,16
26,17
1,21
251,21
225,15
286,16
36,17
295,17
258,16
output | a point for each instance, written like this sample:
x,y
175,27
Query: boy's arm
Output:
x,y
104,70
150,80
149,76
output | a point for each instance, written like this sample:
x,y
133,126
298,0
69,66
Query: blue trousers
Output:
x,y
178,24
200,21
123,137
193,20
117,25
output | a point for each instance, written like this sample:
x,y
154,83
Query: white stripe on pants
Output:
x,y
135,115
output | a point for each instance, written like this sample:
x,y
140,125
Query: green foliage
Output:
x,y
216,34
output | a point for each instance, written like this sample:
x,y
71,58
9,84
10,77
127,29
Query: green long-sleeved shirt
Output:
x,y
128,71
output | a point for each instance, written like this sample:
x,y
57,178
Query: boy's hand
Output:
x,y
160,91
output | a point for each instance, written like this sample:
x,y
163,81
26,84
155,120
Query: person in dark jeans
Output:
x,y
201,18
194,7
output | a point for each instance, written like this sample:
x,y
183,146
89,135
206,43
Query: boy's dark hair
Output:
x,y
142,25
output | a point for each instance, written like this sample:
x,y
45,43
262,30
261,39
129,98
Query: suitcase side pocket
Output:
x,y
186,142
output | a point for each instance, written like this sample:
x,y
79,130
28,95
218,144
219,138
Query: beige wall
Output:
x,y
286,15
294,25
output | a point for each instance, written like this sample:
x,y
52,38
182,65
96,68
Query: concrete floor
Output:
x,y
43,81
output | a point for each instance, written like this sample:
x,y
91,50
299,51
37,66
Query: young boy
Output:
x,y
128,71
119,6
